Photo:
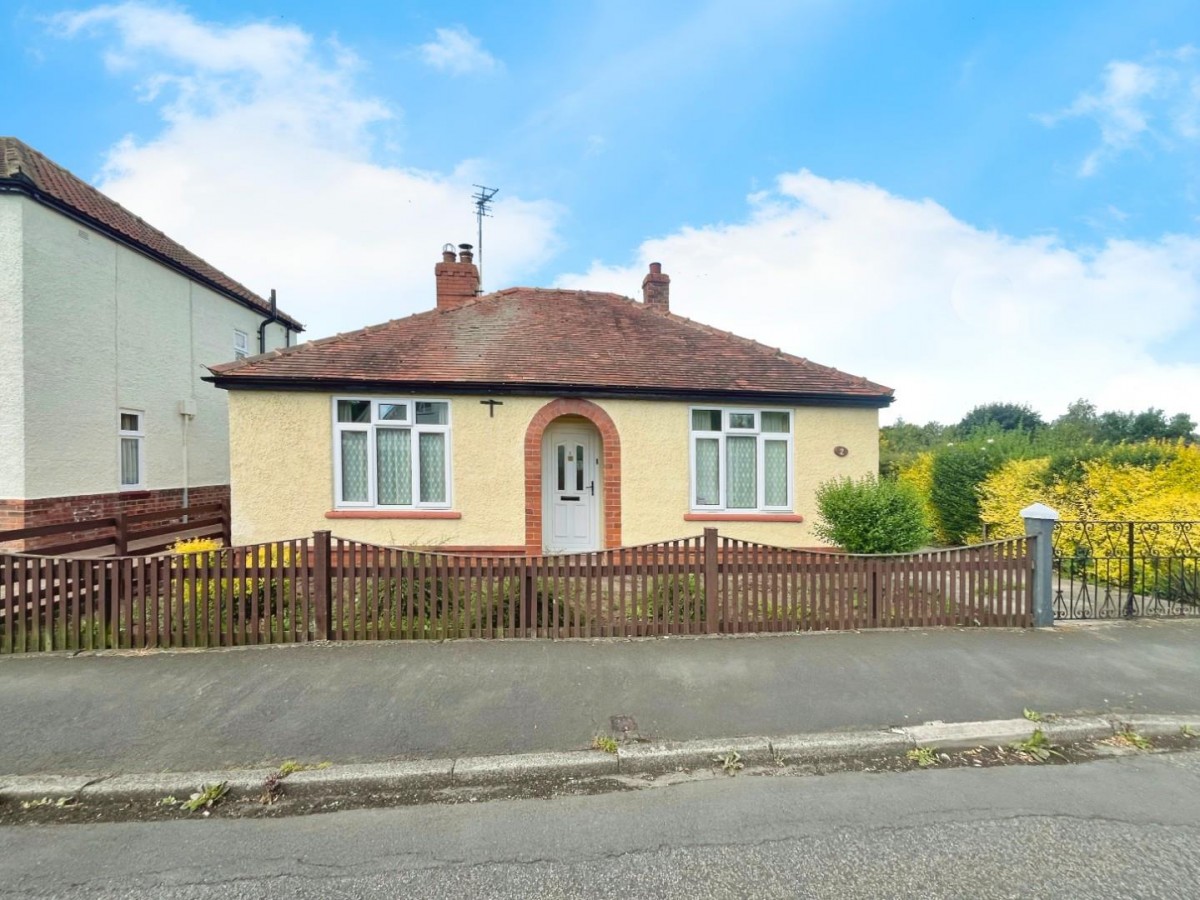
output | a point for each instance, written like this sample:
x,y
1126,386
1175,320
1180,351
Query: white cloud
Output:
x,y
902,292
265,167
457,51
1157,98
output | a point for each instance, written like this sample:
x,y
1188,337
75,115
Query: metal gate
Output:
x,y
1107,570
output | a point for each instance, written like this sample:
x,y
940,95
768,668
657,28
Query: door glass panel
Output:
x,y
706,420
775,472
741,461
708,472
775,422
432,447
354,465
578,467
393,448
562,467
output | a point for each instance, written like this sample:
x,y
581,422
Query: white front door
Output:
x,y
570,494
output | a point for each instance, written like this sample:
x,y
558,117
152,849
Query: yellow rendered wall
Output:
x,y
282,471
655,479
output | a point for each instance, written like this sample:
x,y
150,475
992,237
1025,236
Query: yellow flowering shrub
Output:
x,y
208,551
919,473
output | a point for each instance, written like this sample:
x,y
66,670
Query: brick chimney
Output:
x,y
457,278
656,289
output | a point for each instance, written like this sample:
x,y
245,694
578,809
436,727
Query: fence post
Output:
x,y
1039,525
121,534
1130,560
712,583
322,594
226,524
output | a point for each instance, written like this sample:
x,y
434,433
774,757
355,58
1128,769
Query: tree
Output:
x,y
872,516
1004,416
958,471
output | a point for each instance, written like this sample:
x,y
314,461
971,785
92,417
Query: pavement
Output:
x,y
188,711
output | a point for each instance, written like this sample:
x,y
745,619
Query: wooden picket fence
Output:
x,y
326,588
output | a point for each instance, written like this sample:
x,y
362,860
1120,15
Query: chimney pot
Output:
x,y
656,289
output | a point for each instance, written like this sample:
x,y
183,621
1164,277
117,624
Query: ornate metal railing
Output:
x,y
1105,570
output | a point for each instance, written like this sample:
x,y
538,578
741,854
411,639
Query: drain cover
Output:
x,y
623,725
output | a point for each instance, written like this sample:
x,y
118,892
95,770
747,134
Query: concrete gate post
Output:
x,y
1039,524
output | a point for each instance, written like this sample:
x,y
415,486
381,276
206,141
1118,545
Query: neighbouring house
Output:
x,y
530,419
106,325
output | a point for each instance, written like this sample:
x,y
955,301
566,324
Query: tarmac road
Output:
x,y
1124,827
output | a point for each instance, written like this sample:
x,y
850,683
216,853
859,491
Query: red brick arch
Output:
x,y
610,467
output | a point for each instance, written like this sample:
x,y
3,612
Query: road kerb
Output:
x,y
427,777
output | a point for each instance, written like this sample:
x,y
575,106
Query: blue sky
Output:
x,y
970,202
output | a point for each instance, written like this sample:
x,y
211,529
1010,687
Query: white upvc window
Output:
x,y
741,459
241,344
391,453
131,436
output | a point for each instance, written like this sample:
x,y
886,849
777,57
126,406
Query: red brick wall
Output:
x,y
58,510
610,468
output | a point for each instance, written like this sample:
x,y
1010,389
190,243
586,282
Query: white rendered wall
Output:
x,y
107,328
12,392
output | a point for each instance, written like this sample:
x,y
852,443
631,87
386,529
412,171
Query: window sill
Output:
x,y
393,514
741,517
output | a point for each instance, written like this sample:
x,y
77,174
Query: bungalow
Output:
x,y
530,420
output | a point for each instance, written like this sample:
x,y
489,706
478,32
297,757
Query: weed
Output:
x,y
923,756
776,756
60,803
605,743
731,762
1131,738
272,788
1036,747
168,800
207,797
291,766
1033,715
1189,732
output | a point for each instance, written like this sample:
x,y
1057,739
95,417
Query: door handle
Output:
x,y
592,488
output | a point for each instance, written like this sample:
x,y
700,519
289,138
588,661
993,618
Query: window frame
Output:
x,y
760,438
243,351
139,437
371,428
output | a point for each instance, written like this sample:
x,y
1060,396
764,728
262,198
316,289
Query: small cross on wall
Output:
x,y
491,405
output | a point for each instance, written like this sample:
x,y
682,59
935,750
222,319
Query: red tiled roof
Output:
x,y
552,340
24,168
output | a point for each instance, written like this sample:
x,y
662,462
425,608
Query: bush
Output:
x,y
872,516
958,472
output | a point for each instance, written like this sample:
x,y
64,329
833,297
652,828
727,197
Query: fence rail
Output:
x,y
323,587
123,533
